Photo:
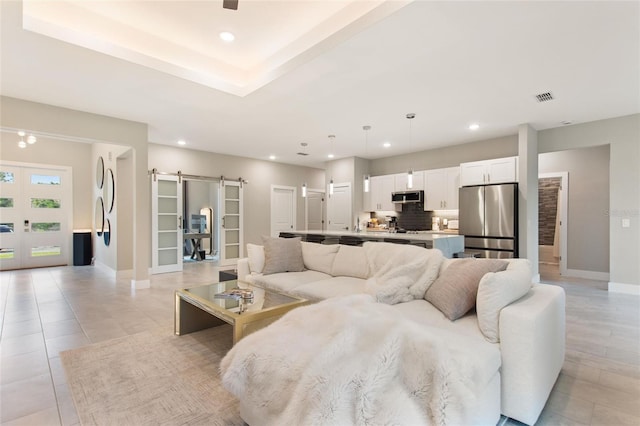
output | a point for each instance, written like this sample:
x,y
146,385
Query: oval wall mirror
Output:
x,y
107,233
100,172
109,197
99,216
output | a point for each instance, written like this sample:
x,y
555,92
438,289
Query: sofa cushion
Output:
x,y
332,287
319,257
285,282
350,261
454,291
282,255
255,254
499,289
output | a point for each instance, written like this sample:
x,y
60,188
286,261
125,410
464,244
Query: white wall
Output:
x,y
588,226
622,134
71,125
49,151
260,174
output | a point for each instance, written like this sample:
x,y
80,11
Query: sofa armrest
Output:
x,y
243,269
532,344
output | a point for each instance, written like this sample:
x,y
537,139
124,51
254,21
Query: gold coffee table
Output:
x,y
196,309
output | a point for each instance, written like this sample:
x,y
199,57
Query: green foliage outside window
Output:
x,y
45,203
6,202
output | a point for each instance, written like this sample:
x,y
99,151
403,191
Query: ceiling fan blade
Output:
x,y
230,4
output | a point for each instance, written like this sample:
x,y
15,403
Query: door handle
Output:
x,y
223,220
179,222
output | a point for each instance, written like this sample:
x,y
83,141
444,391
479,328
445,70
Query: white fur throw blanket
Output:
x,y
347,361
405,275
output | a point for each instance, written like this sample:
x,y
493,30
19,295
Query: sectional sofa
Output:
x,y
508,333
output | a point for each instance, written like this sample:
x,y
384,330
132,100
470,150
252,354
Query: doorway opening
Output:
x,y
552,224
200,216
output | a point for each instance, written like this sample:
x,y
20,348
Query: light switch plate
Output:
x,y
626,223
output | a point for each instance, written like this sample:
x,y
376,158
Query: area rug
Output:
x,y
153,378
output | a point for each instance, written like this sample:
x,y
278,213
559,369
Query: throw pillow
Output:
x,y
499,290
282,255
454,291
350,261
255,253
319,257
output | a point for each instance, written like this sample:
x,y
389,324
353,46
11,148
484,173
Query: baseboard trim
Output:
x,y
589,275
624,288
140,284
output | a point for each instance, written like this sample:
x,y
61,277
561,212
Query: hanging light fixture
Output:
x,y
410,116
31,139
331,140
303,152
367,178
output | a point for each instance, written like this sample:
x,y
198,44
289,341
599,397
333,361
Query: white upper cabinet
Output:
x,y
379,196
498,170
402,180
441,188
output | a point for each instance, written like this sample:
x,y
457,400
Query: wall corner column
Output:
x,y
528,195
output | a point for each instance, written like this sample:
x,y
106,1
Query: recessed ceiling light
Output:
x,y
386,144
31,140
474,126
21,133
182,142
227,36
330,155
272,157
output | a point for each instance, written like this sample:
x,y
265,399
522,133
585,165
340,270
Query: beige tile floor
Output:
x,y
46,311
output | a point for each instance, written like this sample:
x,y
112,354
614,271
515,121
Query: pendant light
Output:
x,y
367,178
410,116
304,184
331,139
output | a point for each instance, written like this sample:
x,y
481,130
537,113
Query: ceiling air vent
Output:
x,y
304,154
544,97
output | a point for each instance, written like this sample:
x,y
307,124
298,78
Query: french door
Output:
x,y
167,236
231,235
35,215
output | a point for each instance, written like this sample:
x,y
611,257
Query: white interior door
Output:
x,y
231,208
339,208
35,216
314,211
283,209
167,236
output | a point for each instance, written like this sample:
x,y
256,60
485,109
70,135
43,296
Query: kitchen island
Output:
x,y
448,244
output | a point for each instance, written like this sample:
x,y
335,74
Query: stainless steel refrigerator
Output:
x,y
489,219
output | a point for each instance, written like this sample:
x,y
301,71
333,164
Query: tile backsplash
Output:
x,y
413,217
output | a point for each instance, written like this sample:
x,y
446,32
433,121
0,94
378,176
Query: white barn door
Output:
x,y
231,212
167,235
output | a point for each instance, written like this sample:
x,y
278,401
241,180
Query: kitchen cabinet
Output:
x,y
497,170
441,188
401,181
379,196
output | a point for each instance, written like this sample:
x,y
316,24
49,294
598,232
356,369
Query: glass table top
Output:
x,y
263,299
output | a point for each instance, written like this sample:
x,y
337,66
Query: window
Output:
x,y
6,177
6,253
45,180
45,251
45,203
6,227
45,226
6,202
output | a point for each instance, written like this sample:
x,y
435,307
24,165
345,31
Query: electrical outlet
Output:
x,y
626,222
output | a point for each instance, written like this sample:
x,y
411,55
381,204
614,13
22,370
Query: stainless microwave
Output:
x,y
404,197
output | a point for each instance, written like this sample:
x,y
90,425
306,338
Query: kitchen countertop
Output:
x,y
447,243
423,236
